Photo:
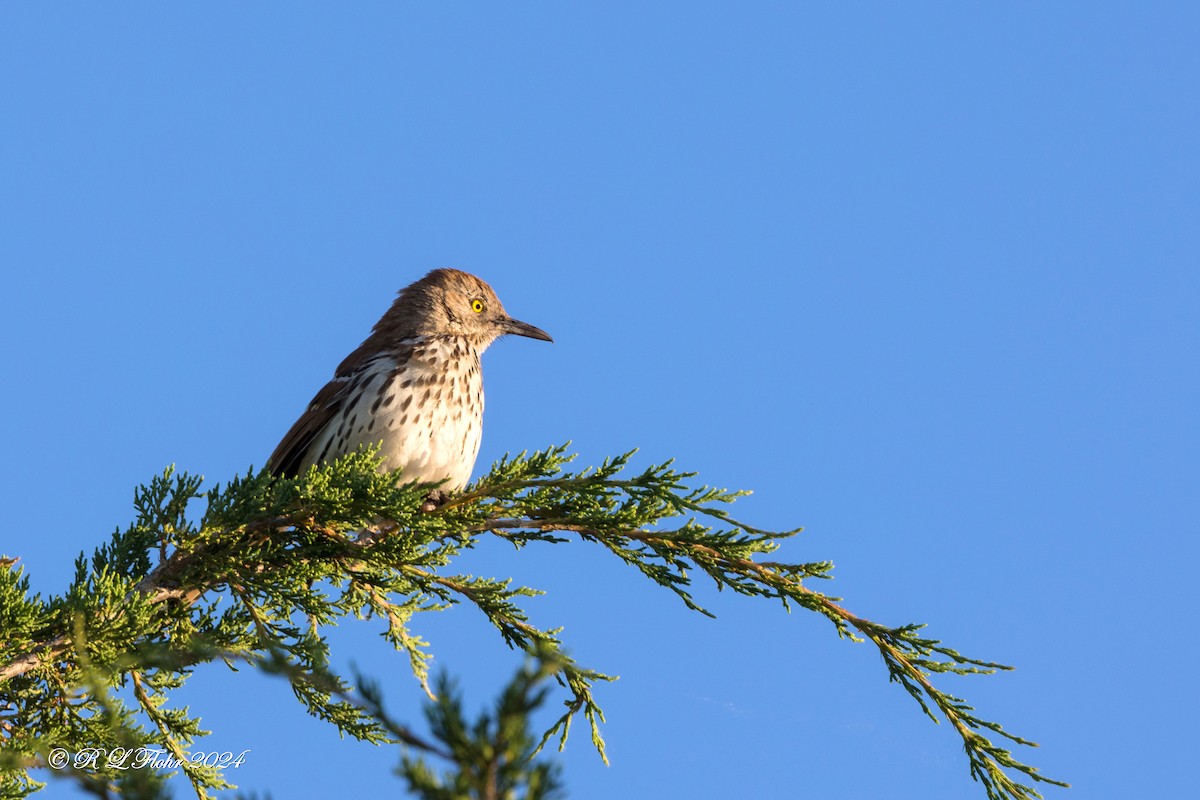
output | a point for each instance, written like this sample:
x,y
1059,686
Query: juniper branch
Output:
x,y
294,555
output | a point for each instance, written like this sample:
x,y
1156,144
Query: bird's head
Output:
x,y
449,302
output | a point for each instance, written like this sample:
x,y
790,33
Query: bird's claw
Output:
x,y
434,500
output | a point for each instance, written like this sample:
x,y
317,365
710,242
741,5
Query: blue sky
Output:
x,y
924,278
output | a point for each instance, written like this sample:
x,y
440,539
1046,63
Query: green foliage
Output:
x,y
495,757
94,667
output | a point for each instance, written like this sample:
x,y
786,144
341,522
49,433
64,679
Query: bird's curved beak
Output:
x,y
510,325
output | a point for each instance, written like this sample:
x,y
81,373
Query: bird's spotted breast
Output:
x,y
424,405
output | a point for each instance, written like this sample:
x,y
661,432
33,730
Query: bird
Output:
x,y
414,386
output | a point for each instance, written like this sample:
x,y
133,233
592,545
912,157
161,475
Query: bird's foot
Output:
x,y
434,500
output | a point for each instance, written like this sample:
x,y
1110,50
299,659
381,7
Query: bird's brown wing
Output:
x,y
289,455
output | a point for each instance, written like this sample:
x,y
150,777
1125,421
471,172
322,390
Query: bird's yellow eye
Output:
x,y
477,306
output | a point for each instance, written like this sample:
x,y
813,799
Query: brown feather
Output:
x,y
289,455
